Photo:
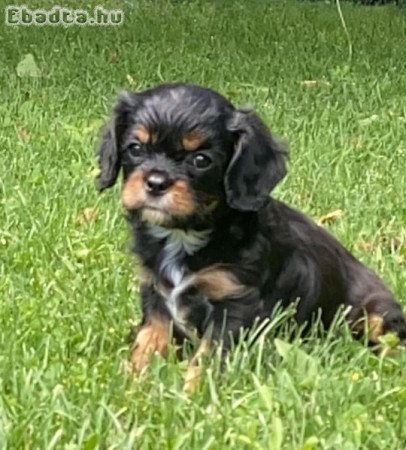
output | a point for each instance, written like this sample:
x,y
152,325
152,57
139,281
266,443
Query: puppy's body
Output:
x,y
217,253
275,255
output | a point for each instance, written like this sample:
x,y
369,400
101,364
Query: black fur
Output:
x,y
257,166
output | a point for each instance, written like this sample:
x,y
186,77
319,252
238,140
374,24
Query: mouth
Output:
x,y
156,216
179,207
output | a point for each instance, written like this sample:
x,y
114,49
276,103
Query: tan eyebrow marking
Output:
x,y
144,135
193,140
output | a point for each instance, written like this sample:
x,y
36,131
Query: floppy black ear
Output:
x,y
258,163
109,150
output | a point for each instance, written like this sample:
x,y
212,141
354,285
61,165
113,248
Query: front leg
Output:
x,y
154,334
233,307
228,319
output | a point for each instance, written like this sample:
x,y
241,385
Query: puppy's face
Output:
x,y
184,152
174,153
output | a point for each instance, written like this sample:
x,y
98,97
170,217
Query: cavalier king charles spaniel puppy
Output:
x,y
217,253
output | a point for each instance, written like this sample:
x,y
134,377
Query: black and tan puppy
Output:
x,y
217,252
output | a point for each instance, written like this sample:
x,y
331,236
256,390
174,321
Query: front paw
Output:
x,y
153,338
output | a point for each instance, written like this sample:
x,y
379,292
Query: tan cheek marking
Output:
x,y
133,193
217,283
152,338
192,141
180,199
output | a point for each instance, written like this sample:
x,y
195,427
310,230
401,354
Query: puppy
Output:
x,y
217,253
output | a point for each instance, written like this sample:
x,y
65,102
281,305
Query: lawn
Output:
x,y
68,284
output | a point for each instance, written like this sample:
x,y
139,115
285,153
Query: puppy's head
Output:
x,y
185,151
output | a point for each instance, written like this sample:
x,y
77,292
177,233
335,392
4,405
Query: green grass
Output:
x,y
67,290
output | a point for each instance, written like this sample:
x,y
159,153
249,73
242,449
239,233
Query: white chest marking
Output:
x,y
179,243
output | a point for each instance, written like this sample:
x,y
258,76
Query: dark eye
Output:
x,y
134,149
201,161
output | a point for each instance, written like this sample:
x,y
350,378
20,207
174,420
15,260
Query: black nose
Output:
x,y
157,183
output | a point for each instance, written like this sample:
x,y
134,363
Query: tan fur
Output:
x,y
217,283
372,325
153,338
180,201
193,141
143,135
133,193
375,332
375,328
193,376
